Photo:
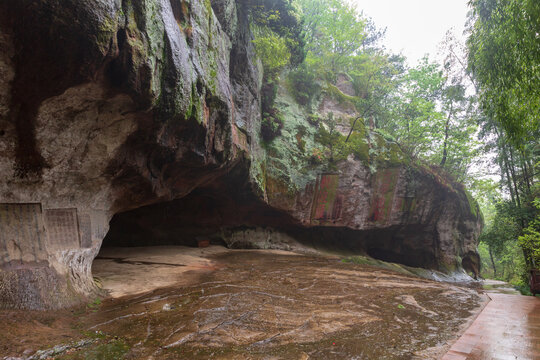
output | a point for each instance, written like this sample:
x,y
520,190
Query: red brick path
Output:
x,y
507,328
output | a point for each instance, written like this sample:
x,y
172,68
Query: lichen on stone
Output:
x,y
288,155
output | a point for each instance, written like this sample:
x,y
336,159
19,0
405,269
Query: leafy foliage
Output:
x,y
304,85
416,119
271,125
334,32
283,18
272,50
504,53
504,65
431,109
530,240
276,26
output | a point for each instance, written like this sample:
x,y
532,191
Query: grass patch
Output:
x,y
113,350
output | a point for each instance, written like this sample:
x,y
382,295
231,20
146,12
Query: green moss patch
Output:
x,y
113,350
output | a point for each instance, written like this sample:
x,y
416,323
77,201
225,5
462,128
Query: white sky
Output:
x,y
415,27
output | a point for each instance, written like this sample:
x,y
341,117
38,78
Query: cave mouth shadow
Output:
x,y
229,204
211,214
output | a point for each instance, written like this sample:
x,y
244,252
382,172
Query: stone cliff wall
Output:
x,y
384,205
107,106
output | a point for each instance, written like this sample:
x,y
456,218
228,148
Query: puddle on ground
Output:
x,y
260,305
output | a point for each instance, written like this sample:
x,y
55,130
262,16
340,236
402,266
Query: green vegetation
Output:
x,y
504,51
504,66
424,108
304,85
278,43
480,102
112,350
334,33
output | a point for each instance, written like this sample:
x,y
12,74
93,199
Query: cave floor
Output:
x,y
248,304
135,270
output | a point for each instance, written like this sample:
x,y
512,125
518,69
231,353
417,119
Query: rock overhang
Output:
x,y
148,102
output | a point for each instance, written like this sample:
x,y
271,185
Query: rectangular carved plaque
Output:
x,y
62,228
21,233
85,229
325,199
382,200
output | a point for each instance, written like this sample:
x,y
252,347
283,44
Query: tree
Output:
x,y
376,76
504,55
501,231
504,62
276,26
334,31
416,118
283,19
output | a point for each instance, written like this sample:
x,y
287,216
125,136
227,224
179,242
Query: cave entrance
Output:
x,y
164,244
177,242
159,246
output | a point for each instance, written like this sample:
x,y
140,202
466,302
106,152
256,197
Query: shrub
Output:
x,y
272,50
314,119
304,85
271,125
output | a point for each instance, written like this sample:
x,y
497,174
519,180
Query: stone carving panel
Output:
x,y
62,229
85,230
327,203
22,234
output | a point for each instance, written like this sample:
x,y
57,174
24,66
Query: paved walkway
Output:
x,y
507,328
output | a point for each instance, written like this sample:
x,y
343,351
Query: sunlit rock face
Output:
x,y
151,110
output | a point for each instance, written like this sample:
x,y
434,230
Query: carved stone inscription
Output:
x,y
327,203
62,228
22,235
85,229
100,224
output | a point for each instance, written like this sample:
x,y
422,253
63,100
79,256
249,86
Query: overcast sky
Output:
x,y
415,27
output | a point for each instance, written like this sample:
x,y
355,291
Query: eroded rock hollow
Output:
x,y
150,110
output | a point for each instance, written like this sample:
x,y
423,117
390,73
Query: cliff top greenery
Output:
x,y
481,102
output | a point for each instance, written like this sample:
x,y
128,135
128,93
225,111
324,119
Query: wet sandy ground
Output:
x,y
249,304
498,287
130,271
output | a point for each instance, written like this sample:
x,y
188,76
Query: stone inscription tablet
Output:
x,y
85,229
62,228
326,197
22,235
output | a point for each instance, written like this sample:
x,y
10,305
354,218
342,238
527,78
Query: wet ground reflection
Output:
x,y
261,305
508,328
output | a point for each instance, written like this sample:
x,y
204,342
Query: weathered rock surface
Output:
x,y
107,106
375,202
255,305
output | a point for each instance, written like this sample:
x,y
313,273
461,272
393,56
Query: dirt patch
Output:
x,y
260,305
131,271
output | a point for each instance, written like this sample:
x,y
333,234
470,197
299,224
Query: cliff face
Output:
x,y
376,201
107,106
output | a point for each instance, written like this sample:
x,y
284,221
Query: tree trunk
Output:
x,y
492,262
352,128
525,171
503,160
446,130
516,189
